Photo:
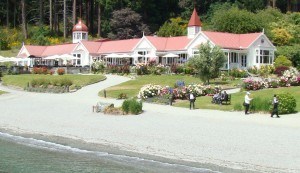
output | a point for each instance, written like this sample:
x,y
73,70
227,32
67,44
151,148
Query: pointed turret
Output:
x,y
194,25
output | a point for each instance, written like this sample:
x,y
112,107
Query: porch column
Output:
x,y
228,60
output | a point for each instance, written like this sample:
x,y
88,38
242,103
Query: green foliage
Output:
x,y
173,27
132,106
291,52
252,5
126,24
237,73
259,104
238,107
98,67
287,103
280,36
208,63
235,20
282,60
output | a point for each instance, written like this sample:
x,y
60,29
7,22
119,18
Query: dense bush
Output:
x,y
261,104
60,71
287,103
280,69
237,73
132,106
98,67
282,61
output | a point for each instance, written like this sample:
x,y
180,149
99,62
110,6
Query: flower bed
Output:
x,y
180,92
290,77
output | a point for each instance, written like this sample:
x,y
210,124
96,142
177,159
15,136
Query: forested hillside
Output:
x,y
46,22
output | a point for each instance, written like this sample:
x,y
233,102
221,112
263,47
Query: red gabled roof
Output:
x,y
92,46
59,49
232,41
43,51
36,51
195,20
118,46
169,43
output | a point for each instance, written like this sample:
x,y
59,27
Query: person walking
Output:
x,y
275,107
247,102
192,100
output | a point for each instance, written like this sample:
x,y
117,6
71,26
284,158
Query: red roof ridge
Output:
x,y
195,20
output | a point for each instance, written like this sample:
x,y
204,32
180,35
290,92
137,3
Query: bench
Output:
x,y
100,106
226,100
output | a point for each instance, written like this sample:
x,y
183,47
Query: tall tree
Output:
x,y
74,12
127,24
208,62
41,3
24,26
65,18
50,15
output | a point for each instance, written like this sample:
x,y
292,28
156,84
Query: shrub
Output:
x,y
66,82
237,73
122,96
40,82
1,75
98,67
238,107
287,103
132,106
261,104
60,71
280,69
125,106
135,107
282,61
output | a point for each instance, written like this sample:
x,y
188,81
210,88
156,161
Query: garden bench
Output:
x,y
227,100
100,106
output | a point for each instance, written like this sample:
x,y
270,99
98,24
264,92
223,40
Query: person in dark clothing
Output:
x,y
275,107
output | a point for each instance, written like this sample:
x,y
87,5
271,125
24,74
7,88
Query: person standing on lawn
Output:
x,y
275,107
247,102
192,100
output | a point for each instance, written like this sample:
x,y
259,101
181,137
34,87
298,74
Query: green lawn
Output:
x,y
204,102
132,87
21,81
2,92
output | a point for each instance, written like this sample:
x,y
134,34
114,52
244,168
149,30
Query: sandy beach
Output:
x,y
254,142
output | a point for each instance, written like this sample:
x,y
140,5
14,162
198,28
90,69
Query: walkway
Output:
x,y
256,142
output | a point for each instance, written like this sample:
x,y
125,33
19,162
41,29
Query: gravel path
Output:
x,y
254,142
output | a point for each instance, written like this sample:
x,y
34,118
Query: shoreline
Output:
x,y
225,139
83,145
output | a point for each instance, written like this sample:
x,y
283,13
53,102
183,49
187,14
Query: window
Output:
x,y
233,57
84,36
182,58
78,61
264,56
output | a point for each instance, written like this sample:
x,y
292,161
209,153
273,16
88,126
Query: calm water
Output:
x,y
20,154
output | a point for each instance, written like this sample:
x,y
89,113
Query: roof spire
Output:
x,y
195,20
263,31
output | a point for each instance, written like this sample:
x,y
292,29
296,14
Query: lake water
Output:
x,y
28,155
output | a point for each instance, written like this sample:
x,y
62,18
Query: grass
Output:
x,y
238,98
9,53
21,81
2,92
131,88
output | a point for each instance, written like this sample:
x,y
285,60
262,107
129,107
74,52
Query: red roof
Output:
x,y
92,46
43,51
169,43
232,41
36,51
80,27
117,45
195,20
